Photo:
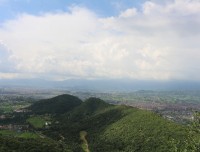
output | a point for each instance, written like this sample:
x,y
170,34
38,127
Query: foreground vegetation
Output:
x,y
37,121
94,125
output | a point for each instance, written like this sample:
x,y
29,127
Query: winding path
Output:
x,y
84,145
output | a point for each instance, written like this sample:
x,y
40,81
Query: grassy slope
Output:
x,y
11,133
142,131
36,121
122,128
28,135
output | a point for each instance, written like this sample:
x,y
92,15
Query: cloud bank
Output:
x,y
159,41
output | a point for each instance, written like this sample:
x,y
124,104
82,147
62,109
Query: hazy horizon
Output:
x,y
102,85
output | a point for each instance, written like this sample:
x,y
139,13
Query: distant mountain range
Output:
x,y
103,84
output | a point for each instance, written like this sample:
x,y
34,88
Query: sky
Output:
x,y
100,39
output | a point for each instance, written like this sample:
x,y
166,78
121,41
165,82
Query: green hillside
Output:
x,y
142,131
87,109
56,105
10,144
122,128
96,126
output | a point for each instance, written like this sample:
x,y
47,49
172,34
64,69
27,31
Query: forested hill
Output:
x,y
96,126
57,105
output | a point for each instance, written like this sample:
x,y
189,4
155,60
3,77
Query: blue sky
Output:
x,y
9,8
99,39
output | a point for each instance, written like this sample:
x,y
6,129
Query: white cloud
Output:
x,y
6,63
160,41
129,13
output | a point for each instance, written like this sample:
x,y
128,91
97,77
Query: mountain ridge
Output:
x,y
103,127
122,128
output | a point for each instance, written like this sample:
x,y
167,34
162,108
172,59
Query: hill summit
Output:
x,y
57,105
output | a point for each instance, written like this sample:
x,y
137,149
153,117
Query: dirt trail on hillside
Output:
x,y
84,145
